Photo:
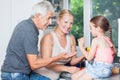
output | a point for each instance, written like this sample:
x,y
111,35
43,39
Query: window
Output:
x,y
84,10
110,9
76,6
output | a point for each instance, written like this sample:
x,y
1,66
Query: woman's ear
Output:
x,y
58,20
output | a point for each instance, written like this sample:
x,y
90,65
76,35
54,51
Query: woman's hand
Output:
x,y
73,69
65,56
71,55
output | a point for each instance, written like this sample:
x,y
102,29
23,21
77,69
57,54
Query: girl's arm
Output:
x,y
89,55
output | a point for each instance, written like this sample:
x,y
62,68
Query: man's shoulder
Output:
x,y
25,22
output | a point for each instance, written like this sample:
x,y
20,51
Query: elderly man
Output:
x,y
22,51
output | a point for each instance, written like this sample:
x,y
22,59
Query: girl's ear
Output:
x,y
99,29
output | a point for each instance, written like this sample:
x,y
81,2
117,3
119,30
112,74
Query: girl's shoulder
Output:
x,y
101,38
104,41
98,40
95,39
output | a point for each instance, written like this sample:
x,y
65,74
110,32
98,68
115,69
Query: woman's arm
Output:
x,y
75,60
46,49
46,52
62,68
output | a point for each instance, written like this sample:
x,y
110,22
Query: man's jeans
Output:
x,y
14,76
36,76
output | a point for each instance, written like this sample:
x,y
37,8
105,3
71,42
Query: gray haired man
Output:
x,y
22,51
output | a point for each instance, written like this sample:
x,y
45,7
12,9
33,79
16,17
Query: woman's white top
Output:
x,y
56,50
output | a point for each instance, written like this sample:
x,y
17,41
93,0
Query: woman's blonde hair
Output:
x,y
64,12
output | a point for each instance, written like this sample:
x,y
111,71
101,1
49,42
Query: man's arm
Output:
x,y
45,59
36,62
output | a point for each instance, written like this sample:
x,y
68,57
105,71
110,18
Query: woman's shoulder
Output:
x,y
72,36
47,39
47,36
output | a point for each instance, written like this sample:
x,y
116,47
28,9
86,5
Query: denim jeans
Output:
x,y
36,76
99,69
14,76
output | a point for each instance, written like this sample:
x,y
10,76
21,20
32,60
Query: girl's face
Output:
x,y
65,23
94,30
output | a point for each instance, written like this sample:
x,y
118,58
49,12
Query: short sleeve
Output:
x,y
31,43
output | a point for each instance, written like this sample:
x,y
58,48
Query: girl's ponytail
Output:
x,y
110,33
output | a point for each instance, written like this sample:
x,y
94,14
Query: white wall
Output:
x,y
5,26
11,13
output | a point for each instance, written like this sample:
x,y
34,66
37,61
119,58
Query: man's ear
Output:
x,y
38,15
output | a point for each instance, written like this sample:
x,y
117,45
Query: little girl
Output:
x,y
102,52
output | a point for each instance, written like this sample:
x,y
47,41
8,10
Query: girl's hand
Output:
x,y
64,55
81,42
